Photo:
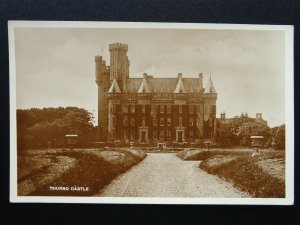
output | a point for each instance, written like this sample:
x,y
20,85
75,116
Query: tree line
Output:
x,y
238,130
39,128
47,127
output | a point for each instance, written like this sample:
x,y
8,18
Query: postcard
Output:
x,y
151,113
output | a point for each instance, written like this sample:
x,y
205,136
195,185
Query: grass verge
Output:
x,y
241,169
247,176
89,171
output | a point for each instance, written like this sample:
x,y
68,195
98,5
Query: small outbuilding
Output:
x,y
71,140
257,141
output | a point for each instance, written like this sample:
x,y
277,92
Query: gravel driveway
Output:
x,y
165,175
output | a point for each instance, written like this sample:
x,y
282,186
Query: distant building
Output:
x,y
149,109
224,120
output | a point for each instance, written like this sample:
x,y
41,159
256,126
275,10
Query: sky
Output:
x,y
55,66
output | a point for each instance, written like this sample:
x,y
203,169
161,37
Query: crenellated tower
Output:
x,y
102,80
119,63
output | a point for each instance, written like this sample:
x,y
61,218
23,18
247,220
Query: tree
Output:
x,y
277,136
252,128
225,136
239,130
38,127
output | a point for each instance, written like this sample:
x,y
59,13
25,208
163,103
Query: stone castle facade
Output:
x,y
150,109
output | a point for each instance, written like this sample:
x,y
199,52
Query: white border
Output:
x,y
289,114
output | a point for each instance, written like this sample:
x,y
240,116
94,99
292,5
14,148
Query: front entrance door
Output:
x,y
143,136
180,133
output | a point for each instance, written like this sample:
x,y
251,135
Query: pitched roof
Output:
x,y
163,85
180,87
144,87
114,87
209,89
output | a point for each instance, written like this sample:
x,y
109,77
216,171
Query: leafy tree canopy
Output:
x,y
237,131
37,127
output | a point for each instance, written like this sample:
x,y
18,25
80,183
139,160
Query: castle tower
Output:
x,y
119,63
210,98
102,80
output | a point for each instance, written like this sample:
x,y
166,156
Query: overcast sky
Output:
x,y
55,67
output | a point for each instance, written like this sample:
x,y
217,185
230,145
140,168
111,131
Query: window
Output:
x,y
125,108
180,121
191,134
125,121
143,109
198,122
154,121
191,109
162,122
168,134
125,134
154,135
169,121
143,122
162,109
132,135
161,135
113,109
169,108
191,121
132,122
132,108
180,108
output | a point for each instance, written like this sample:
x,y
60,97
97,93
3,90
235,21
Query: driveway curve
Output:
x,y
165,175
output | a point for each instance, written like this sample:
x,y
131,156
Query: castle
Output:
x,y
149,109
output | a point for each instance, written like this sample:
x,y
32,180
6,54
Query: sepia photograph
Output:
x,y
164,113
